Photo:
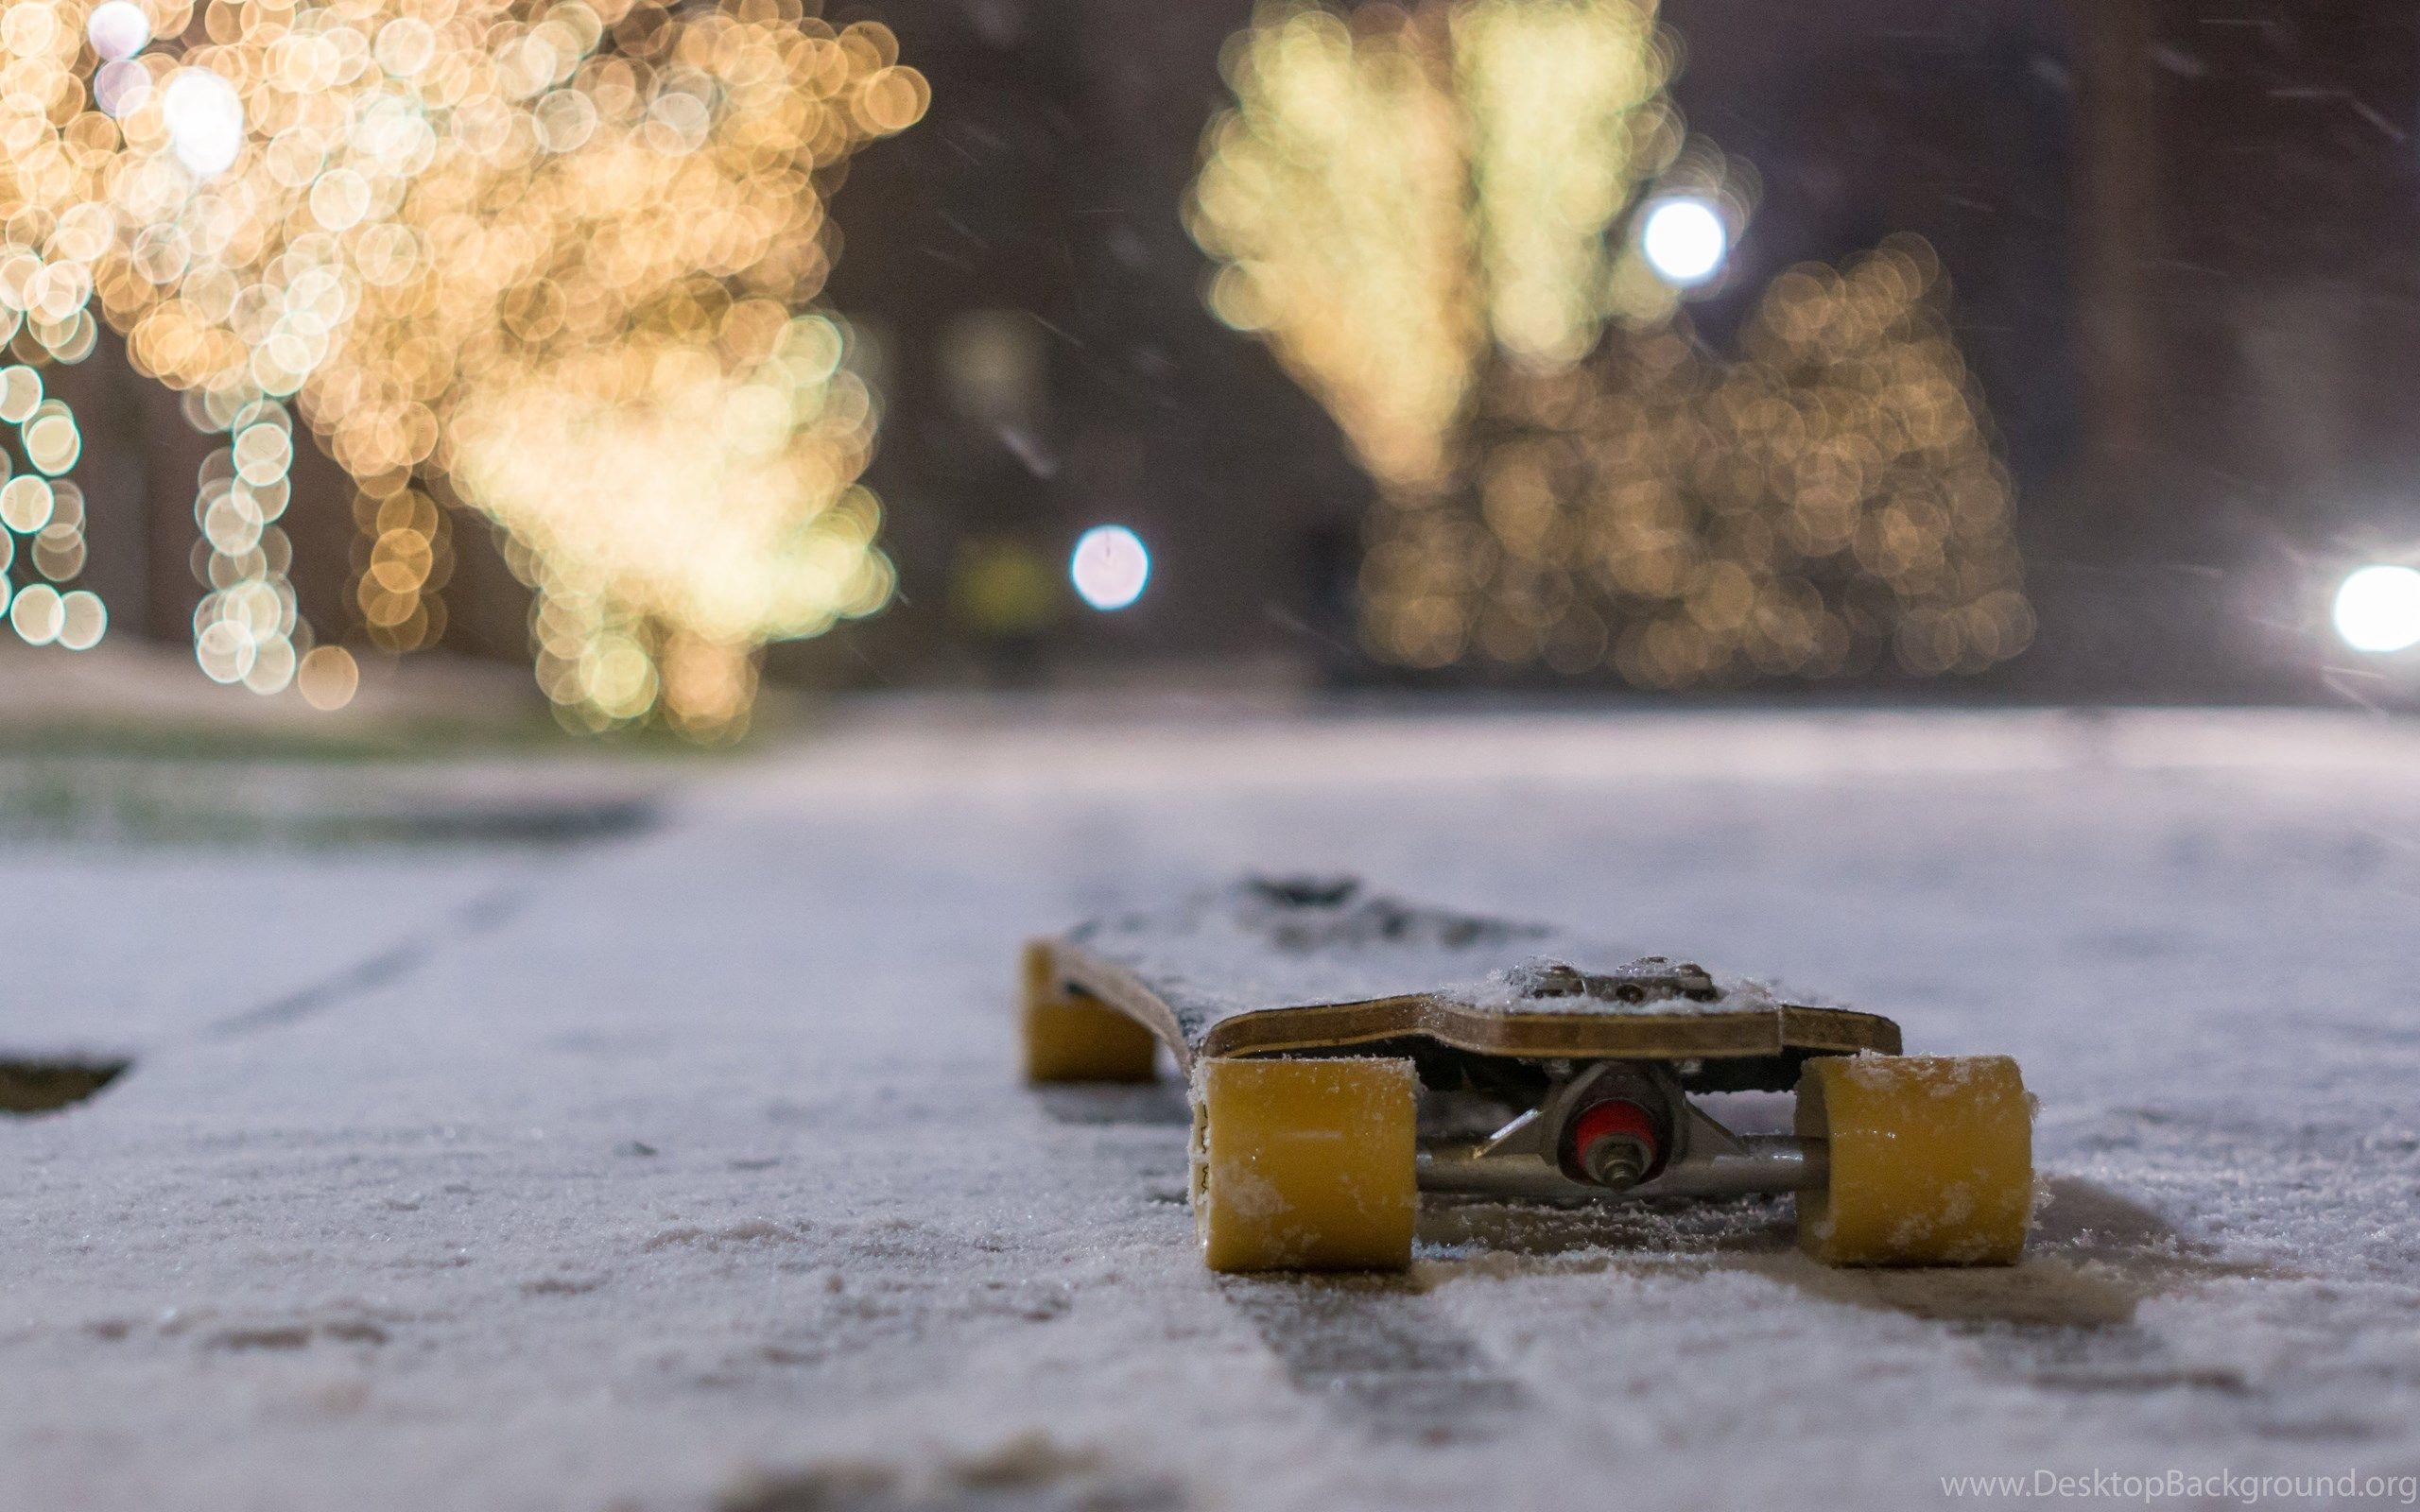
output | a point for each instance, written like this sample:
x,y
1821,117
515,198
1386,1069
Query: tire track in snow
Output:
x,y
1380,1355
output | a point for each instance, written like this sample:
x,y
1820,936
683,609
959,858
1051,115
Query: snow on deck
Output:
x,y
688,1169
1267,942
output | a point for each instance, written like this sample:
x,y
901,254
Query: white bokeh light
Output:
x,y
205,119
117,29
2377,609
1684,240
121,87
1110,567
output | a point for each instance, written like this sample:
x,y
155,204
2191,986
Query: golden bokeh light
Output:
x,y
327,677
38,614
1335,195
1428,215
550,259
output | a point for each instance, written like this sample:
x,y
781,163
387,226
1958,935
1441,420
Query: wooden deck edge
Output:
x,y
1319,1026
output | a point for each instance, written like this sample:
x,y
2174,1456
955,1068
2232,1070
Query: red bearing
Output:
x,y
1615,1118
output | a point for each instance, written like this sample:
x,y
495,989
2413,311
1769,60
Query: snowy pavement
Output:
x,y
686,1168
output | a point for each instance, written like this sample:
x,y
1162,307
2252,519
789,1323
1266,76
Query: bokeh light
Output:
x,y
327,677
551,259
1415,210
117,29
2377,609
1110,567
1684,240
205,121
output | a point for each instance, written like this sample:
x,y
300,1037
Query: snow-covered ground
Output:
x,y
687,1168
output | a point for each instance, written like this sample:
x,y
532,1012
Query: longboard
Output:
x,y
1292,965
1311,1017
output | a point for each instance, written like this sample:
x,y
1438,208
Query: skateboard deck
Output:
x,y
1297,965
1311,1017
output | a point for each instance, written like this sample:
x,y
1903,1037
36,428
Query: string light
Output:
x,y
117,29
44,323
1823,505
246,627
1335,194
1415,210
41,513
470,243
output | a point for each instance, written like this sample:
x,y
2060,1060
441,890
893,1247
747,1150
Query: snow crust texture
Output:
x,y
689,1170
1292,940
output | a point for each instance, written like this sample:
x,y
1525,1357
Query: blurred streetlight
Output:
x,y
2377,609
1110,567
1684,239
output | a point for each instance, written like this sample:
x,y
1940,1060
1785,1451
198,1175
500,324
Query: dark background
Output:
x,y
2180,237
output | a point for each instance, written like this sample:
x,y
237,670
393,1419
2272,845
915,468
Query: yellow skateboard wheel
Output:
x,y
1076,1039
1306,1164
1931,1159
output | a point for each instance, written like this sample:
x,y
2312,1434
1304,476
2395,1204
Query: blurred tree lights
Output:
x,y
1443,223
551,260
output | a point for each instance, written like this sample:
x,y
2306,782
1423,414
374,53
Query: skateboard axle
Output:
x,y
1623,1131
1766,1164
